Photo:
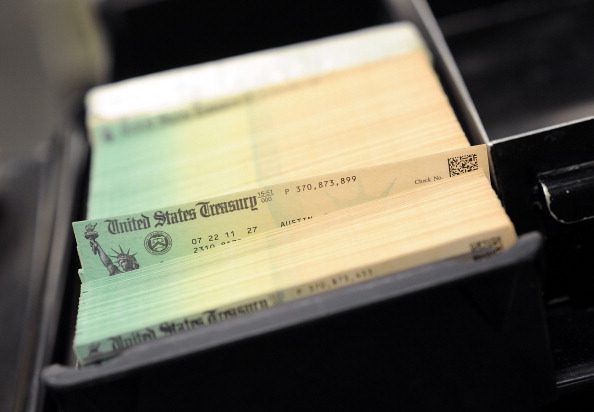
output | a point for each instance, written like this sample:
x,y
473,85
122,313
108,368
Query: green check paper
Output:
x,y
119,244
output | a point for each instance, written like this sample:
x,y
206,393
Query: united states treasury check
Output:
x,y
114,245
89,351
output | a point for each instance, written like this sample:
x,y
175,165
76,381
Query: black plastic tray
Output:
x,y
448,336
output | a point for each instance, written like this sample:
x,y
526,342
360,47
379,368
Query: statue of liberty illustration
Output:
x,y
125,260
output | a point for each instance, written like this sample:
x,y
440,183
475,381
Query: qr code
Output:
x,y
463,164
486,247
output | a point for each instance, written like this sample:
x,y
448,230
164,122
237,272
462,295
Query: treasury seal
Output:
x,y
157,243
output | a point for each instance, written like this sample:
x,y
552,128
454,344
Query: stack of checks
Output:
x,y
228,188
